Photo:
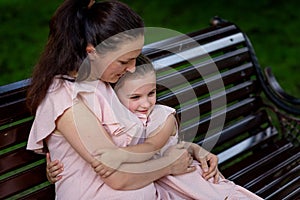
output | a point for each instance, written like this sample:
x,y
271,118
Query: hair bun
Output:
x,y
86,3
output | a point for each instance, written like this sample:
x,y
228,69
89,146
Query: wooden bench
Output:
x,y
225,102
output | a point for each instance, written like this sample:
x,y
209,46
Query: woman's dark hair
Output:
x,y
75,24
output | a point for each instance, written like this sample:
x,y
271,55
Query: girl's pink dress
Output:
x,y
79,179
191,185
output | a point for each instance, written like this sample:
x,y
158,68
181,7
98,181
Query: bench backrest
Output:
x,y
209,76
22,172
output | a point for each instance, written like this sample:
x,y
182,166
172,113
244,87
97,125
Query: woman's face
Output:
x,y
120,66
109,67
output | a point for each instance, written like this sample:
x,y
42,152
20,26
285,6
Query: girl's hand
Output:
x,y
182,160
209,164
208,161
53,169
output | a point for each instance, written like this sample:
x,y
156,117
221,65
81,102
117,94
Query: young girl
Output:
x,y
137,92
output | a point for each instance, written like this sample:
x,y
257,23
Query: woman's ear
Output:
x,y
90,49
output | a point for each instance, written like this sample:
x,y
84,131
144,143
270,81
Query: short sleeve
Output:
x,y
57,100
158,117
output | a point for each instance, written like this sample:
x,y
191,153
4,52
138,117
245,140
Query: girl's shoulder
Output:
x,y
163,110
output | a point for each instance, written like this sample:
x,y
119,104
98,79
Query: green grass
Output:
x,y
273,27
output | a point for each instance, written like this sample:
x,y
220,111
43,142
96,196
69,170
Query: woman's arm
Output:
x,y
72,124
83,131
176,161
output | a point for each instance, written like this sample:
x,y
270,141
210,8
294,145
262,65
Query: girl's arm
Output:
x,y
146,150
73,126
134,176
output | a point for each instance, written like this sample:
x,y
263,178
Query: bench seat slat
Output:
x,y
277,170
272,168
286,189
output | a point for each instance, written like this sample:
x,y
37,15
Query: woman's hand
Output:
x,y
107,161
53,169
111,158
101,169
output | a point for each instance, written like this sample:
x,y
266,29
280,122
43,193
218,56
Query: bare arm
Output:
x,y
72,124
134,176
142,152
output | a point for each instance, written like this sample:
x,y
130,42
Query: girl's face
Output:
x,y
139,94
109,67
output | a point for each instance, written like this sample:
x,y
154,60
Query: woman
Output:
x,y
75,118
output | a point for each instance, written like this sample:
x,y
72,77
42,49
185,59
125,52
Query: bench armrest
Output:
x,y
277,89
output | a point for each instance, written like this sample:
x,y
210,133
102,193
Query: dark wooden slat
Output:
x,y
15,135
13,111
243,164
267,170
201,88
232,59
22,181
17,158
47,193
272,168
199,37
288,173
287,189
236,93
13,88
249,105
260,157
190,73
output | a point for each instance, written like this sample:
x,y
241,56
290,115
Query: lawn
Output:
x,y
273,27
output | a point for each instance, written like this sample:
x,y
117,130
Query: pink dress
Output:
x,y
191,185
79,179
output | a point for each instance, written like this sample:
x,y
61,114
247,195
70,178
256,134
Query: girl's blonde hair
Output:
x,y
143,67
